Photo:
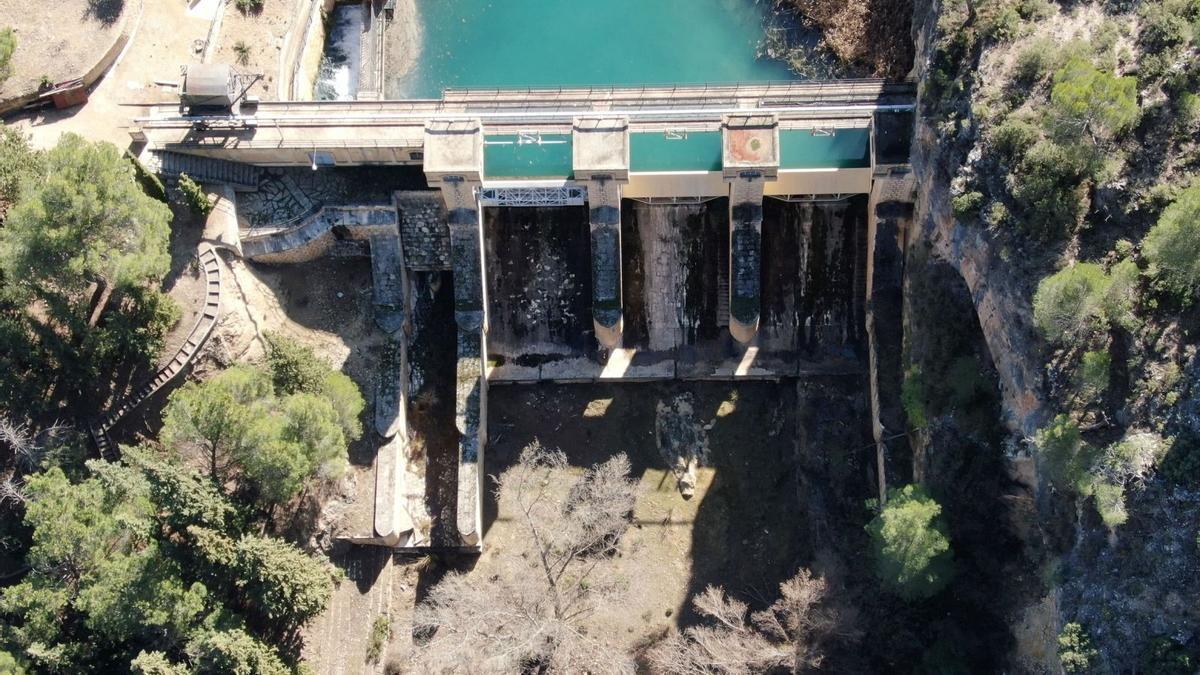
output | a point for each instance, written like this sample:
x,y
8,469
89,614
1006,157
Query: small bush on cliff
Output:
x,y
1075,650
967,204
1167,28
1173,246
911,550
1087,102
1070,303
1094,372
1048,186
1165,656
912,397
1065,458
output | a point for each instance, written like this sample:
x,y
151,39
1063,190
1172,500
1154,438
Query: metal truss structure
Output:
x,y
566,195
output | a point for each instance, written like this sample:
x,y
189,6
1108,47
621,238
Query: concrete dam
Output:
x,y
569,234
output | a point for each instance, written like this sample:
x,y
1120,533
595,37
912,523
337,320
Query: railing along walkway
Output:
x,y
210,266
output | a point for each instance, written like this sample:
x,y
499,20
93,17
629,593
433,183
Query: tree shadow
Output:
x,y
105,11
433,566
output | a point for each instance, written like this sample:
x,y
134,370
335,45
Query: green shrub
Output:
x,y
1014,136
1134,457
194,196
1189,109
1173,246
1165,656
1066,459
1034,62
1088,102
1122,293
967,204
294,367
241,52
8,45
247,6
1035,10
911,551
1075,650
381,630
1069,304
1048,187
1094,372
912,397
996,215
1166,26
1110,503
998,21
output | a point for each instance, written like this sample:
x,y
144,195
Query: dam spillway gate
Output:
x,y
613,234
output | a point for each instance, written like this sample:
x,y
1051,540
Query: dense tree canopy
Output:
x,y
1083,298
270,431
74,216
912,552
1086,100
145,566
84,219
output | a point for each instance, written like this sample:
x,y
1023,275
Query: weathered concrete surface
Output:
x,y
539,284
424,232
313,236
387,276
889,218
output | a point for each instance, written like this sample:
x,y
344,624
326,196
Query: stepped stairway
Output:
x,y
312,236
211,268
204,169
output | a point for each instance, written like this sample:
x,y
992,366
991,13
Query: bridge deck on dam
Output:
x,y
392,131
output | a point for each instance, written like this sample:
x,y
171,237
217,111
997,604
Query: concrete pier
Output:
x,y
454,164
750,148
600,160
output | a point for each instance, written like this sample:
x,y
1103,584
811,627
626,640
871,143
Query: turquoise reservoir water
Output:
x,y
519,43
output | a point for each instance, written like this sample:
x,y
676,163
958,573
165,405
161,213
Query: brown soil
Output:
x,y
59,40
871,36
325,304
739,530
161,44
263,33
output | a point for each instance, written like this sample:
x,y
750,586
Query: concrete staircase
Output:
x,y
313,236
211,268
204,169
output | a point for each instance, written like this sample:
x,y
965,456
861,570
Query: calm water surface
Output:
x,y
515,43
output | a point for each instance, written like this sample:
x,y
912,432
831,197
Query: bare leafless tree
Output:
x,y
786,636
534,614
27,446
12,489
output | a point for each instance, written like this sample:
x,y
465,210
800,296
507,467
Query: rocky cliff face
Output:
x,y
1001,295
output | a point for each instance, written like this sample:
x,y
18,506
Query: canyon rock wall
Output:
x,y
1001,294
